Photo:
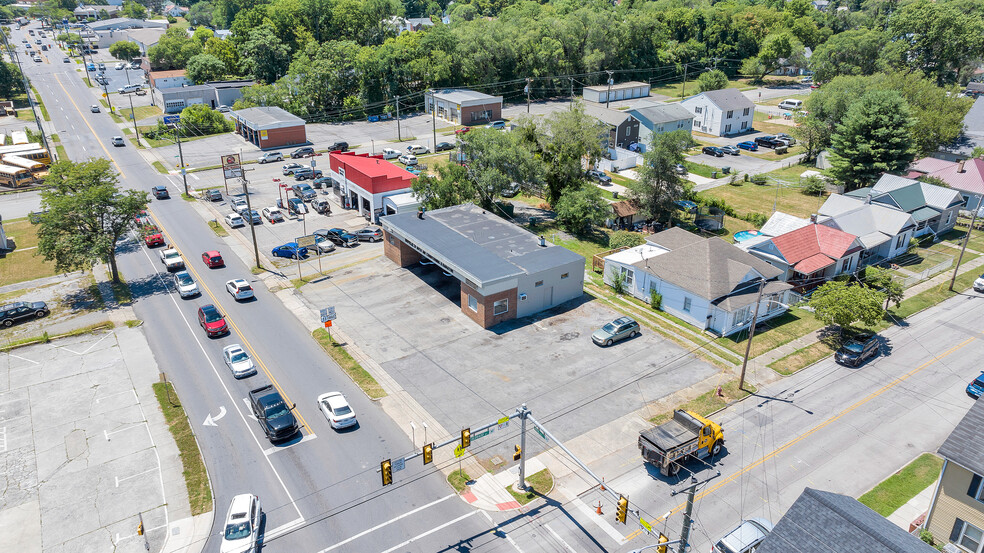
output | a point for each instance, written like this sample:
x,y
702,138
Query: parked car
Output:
x,y
289,168
238,205
369,234
338,236
768,141
748,145
442,146
323,244
408,159
128,88
212,259
712,151
790,104
267,157
271,410
223,109
856,348
304,191
296,206
599,176
680,169
337,410
234,220
20,310
619,329
153,240
498,125
118,141
94,108
252,217
238,361
417,149
745,538
731,150
786,139
172,259
323,182
303,151
273,214
338,146
390,153
213,195
305,173
510,190
462,131
321,205
291,250
239,289
212,321
979,284
185,285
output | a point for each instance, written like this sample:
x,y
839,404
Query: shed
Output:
x,y
620,91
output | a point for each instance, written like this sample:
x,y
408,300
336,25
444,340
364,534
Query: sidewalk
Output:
x,y
914,509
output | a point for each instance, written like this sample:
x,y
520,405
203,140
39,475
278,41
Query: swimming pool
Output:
x,y
745,235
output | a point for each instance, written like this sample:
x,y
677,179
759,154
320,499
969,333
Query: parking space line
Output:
x,y
137,425
601,522
99,399
561,540
86,349
273,449
3,439
125,478
387,523
23,358
435,529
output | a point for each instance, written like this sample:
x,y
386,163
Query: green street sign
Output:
x,y
480,435
540,432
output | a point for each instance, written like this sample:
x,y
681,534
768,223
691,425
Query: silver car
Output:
x,y
745,538
369,234
186,285
619,329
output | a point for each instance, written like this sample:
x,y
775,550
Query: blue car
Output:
x,y
748,145
291,250
976,387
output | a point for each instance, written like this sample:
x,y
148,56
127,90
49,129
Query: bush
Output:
x,y
913,244
618,280
758,179
655,299
814,185
757,219
624,238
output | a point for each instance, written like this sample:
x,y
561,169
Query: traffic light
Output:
x,y
387,469
465,438
518,454
623,509
662,539
428,453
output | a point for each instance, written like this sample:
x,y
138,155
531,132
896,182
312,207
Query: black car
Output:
x,y
213,195
160,192
274,414
712,151
338,237
769,142
856,348
304,151
600,177
18,311
339,146
442,146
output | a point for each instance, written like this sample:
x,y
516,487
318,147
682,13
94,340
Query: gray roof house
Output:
x,y
623,127
826,522
956,512
933,208
660,117
722,112
883,232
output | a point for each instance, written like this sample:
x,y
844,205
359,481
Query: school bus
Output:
x,y
39,155
15,177
34,167
19,148
19,137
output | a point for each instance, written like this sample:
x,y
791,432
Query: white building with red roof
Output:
x,y
364,180
810,254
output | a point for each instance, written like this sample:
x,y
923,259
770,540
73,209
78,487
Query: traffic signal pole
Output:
x,y
523,413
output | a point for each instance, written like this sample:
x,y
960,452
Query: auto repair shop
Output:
x,y
270,127
505,271
362,181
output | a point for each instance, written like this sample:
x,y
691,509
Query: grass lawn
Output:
x,y
933,296
762,122
792,173
755,198
60,150
801,358
351,367
709,401
143,112
587,246
780,330
22,264
675,90
459,480
620,180
921,259
957,235
537,485
196,478
701,169
160,167
777,101
896,490
25,114
44,110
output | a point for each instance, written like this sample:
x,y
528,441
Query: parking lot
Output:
x,y
410,322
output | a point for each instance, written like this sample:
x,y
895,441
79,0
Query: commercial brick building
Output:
x,y
463,107
270,127
363,181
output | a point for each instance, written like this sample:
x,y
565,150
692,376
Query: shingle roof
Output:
x,y
611,116
673,238
862,219
728,99
747,295
970,180
655,113
811,240
814,263
625,208
964,445
825,522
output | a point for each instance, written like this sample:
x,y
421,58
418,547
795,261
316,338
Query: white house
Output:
x,y
704,281
722,112
884,232
660,117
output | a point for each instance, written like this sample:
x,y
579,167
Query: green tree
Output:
x,y
775,47
263,55
133,10
225,51
881,280
205,67
200,13
202,34
124,50
199,120
579,209
11,81
874,138
451,186
173,50
495,160
659,185
843,304
936,38
853,52
85,215
712,80
562,141
625,239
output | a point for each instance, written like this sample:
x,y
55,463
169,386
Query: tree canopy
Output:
x,y
659,184
844,304
124,50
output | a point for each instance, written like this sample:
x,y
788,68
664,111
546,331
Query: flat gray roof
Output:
x,y
458,95
483,246
267,117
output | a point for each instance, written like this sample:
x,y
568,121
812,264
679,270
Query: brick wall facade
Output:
x,y
484,313
398,252
466,114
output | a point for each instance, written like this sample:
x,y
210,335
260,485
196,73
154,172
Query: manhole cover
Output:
x,y
496,460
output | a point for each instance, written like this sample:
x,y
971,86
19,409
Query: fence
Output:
x,y
921,276
598,260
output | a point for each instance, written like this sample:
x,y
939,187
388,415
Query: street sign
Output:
x,y
646,525
328,314
481,434
399,464
503,420
306,241
231,168
459,451
171,119
540,432
314,163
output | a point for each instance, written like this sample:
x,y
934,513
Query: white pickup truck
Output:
x,y
172,259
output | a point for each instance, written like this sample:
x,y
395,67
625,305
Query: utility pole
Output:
x,y
523,413
398,137
751,333
683,91
528,80
249,213
966,239
687,521
184,174
608,97
132,114
433,121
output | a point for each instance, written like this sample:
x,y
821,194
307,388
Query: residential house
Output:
x,y
809,254
120,23
406,24
966,175
821,5
956,512
625,213
722,112
660,117
143,38
703,281
175,10
972,135
883,232
92,12
623,128
827,522
933,208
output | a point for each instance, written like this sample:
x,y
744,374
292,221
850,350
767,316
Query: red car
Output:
x,y
213,259
212,321
154,240
462,130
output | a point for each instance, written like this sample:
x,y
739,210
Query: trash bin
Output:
x,y
714,174
726,170
615,194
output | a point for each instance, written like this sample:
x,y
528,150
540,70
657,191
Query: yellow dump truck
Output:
x,y
687,435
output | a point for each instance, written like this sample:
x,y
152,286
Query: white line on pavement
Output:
x,y
282,529
507,536
23,358
561,540
435,529
595,518
377,527
273,449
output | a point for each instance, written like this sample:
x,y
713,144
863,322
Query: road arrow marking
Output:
x,y
210,420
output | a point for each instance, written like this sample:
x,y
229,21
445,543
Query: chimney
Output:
x,y
813,218
960,166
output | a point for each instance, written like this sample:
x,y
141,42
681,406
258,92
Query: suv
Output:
x,y
21,310
160,192
619,329
417,149
267,157
856,348
273,413
304,191
744,539
338,236
305,151
408,159
339,146
600,177
307,173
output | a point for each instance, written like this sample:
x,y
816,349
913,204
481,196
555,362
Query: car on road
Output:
x,y
242,525
223,109
172,259
462,131
212,321
856,348
185,285
303,151
102,66
252,217
745,538
712,151
291,250
212,259
748,145
267,157
118,141
408,159
442,146
94,108
238,205
304,191
238,361
154,240
337,410
119,66
731,150
369,234
239,289
619,329
498,125
769,141
273,214
213,195
390,153
323,244
289,168
338,146
235,220
271,410
305,173
976,387
66,60
417,150
599,176
979,284
20,310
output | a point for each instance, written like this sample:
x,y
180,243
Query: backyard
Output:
x,y
747,197
22,264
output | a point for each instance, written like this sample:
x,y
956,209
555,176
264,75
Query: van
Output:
x,y
129,88
390,153
790,104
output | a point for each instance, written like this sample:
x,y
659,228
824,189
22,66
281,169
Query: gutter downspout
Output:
x,y
936,493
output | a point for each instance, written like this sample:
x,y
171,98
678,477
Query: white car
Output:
x,y
417,149
390,153
120,65
408,159
745,538
242,525
238,205
234,220
273,215
186,285
239,289
238,361
336,410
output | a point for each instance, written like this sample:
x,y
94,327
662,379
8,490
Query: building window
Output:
x,y
899,241
629,275
741,315
500,307
538,284
472,303
746,111
727,128
949,217
967,535
686,304
391,239
773,304
565,275
730,113
744,125
698,110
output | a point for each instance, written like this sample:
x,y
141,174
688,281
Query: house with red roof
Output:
x,y
810,254
966,175
362,181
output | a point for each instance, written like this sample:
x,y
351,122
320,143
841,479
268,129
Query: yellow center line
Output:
x,y
84,120
229,321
